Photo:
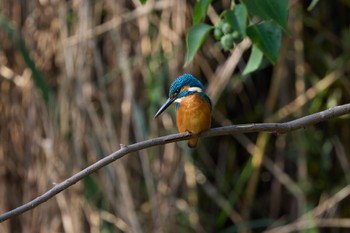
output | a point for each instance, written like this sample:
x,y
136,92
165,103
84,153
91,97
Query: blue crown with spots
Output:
x,y
184,80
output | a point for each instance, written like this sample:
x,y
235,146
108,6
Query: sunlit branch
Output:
x,y
277,128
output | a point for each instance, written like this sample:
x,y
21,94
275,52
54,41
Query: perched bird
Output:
x,y
193,106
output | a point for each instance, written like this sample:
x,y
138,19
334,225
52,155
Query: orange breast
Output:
x,y
193,115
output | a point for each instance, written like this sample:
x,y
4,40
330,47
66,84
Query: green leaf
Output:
x,y
276,10
200,10
312,5
195,38
254,61
143,1
237,18
267,37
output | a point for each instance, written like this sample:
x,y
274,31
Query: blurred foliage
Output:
x,y
233,27
108,66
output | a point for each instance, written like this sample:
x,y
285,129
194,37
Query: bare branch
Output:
x,y
310,223
126,149
303,222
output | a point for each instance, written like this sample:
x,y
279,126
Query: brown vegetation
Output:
x,y
102,68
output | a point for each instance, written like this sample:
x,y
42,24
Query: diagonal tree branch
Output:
x,y
126,149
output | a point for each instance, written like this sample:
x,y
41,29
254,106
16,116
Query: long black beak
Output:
x,y
164,106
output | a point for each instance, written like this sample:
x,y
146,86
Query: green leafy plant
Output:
x,y
261,21
195,38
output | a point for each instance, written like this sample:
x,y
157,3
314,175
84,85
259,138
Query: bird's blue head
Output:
x,y
184,85
183,81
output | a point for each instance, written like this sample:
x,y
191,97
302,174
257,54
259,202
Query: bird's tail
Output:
x,y
192,143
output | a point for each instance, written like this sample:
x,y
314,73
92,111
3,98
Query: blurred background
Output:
x,y
79,78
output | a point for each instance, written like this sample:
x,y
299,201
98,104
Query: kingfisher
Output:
x,y
193,106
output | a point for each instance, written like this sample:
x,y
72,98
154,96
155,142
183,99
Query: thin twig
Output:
x,y
312,223
115,23
310,218
126,149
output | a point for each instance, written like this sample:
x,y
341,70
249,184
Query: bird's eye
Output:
x,y
175,93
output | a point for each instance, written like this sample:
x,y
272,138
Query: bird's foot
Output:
x,y
188,133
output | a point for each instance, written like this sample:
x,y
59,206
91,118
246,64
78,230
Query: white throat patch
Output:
x,y
178,100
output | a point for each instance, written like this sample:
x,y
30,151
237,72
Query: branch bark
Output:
x,y
126,149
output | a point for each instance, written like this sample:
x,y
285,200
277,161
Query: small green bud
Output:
x,y
236,36
227,41
218,33
220,24
226,28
